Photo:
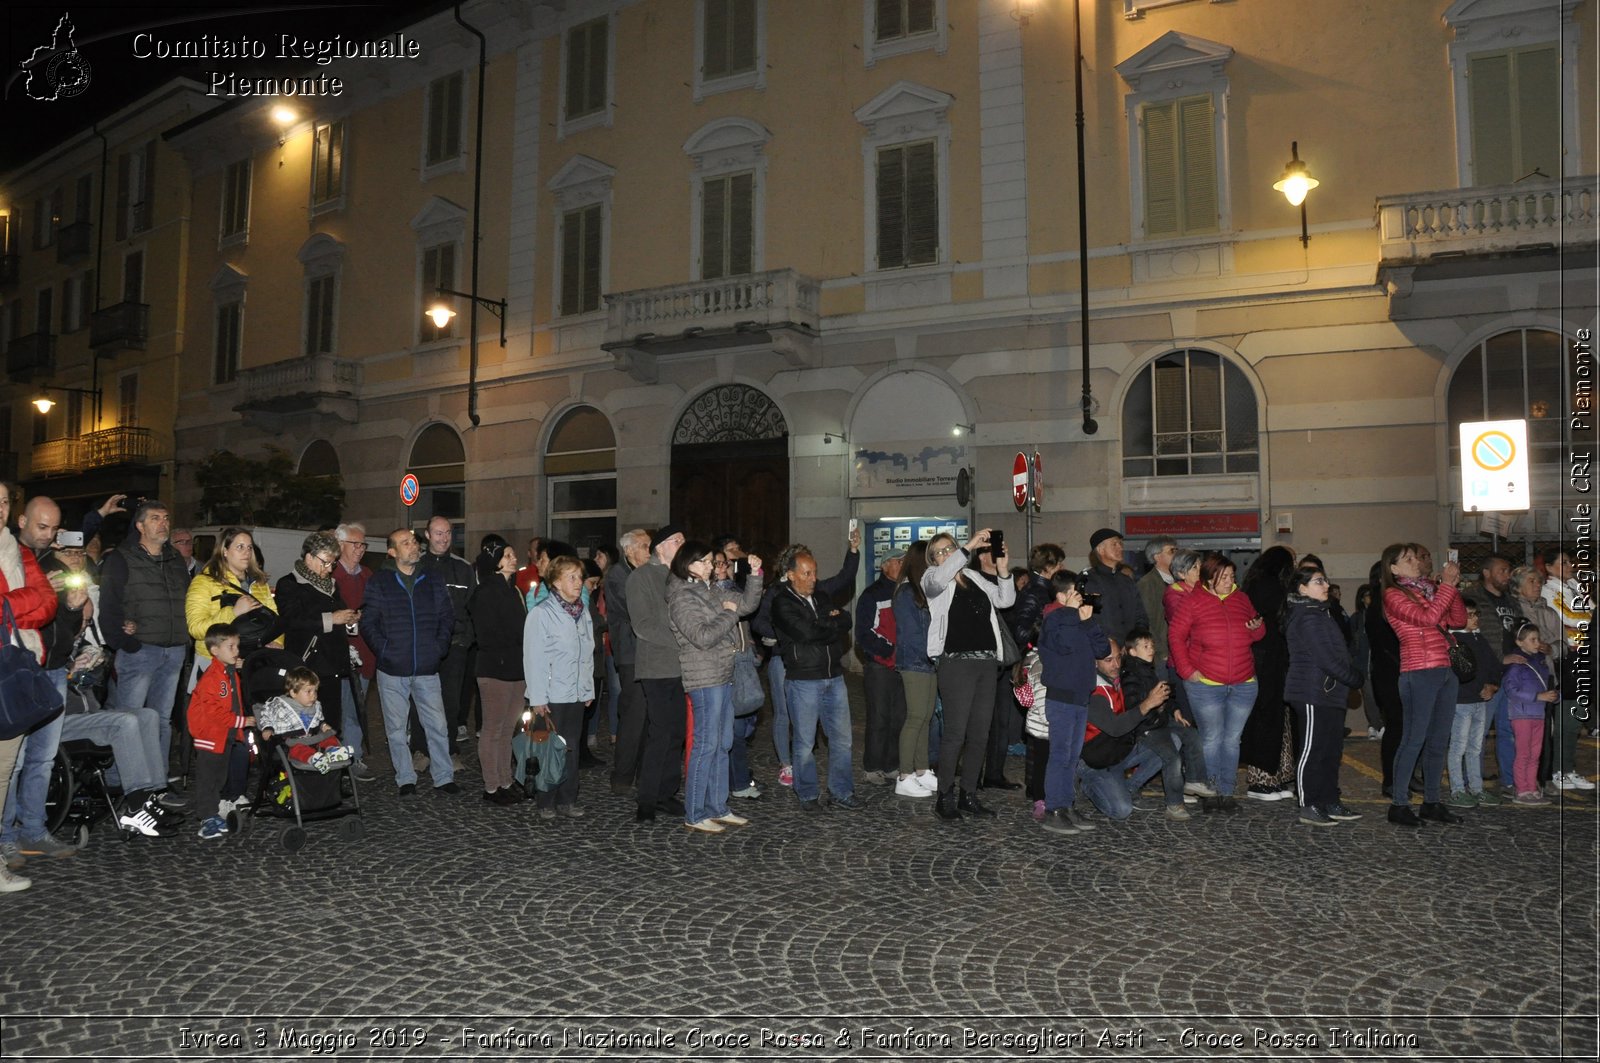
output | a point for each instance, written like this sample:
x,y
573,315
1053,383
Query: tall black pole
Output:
x,y
1089,425
477,201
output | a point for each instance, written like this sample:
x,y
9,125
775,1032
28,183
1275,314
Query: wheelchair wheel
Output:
x,y
58,796
293,839
351,829
81,839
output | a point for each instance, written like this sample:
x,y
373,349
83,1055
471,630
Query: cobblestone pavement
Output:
x,y
458,929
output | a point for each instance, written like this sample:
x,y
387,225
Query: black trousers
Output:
x,y
1038,759
886,715
661,769
568,720
630,728
966,690
1005,706
1317,766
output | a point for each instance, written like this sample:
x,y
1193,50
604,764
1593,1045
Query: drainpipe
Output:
x,y
477,200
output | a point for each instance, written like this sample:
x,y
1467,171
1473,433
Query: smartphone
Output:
x,y
997,543
1453,556
854,524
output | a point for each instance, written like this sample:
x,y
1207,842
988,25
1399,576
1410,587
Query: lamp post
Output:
x,y
44,403
440,314
1294,184
1090,427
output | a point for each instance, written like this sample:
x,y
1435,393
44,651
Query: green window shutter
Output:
x,y
1158,122
452,117
741,223
1489,90
144,216
890,24
571,262
922,204
586,68
891,208
741,36
591,258
919,16
577,77
715,44
1537,73
1199,165
713,229
335,159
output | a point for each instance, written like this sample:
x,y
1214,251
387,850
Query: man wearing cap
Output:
x,y
657,667
886,697
1120,609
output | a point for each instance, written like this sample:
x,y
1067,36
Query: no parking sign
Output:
x,y
1494,466
409,489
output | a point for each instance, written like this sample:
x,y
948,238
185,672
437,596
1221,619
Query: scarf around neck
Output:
x,y
1418,585
321,583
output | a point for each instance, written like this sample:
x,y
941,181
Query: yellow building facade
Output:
x,y
762,267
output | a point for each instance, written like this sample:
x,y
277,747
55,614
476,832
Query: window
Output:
x,y
443,120
321,295
225,356
1513,375
136,171
46,220
897,19
327,165
128,400
895,27
438,271
133,277
729,46
1180,168
581,462
439,463
236,201
76,296
83,199
319,459
1188,413
908,205
727,231
74,415
1516,114
43,308
581,248
586,69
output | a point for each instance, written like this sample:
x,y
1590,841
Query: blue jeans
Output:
x,y
812,701
705,792
780,710
744,728
1505,742
1428,700
1466,747
148,678
30,780
1220,713
394,693
1067,724
350,712
139,765
1111,793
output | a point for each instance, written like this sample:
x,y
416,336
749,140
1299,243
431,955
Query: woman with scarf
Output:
x,y
558,662
1417,608
317,624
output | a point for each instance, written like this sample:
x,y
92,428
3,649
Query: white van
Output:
x,y
280,548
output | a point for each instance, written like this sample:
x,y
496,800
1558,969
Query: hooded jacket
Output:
x,y
708,635
1320,669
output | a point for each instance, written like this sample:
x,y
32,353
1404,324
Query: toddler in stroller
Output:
x,y
295,717
305,768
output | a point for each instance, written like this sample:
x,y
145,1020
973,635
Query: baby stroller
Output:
x,y
289,790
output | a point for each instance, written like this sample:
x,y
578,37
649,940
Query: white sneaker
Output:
x,y
1374,733
1571,780
928,780
141,822
707,826
11,882
1199,789
907,786
751,792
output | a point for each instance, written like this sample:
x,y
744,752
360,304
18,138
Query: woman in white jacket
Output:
x,y
964,639
558,659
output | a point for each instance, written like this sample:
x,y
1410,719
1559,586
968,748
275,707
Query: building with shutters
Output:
x,y
769,266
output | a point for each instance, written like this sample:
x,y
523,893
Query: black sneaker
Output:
x,y
1340,811
1056,821
1403,816
408,789
1227,804
812,805
1439,813
172,799
850,803
449,789
970,804
164,814
1315,817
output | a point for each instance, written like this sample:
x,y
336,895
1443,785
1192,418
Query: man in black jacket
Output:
x,y
455,673
811,632
635,547
1120,608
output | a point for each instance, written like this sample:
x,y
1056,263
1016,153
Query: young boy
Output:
x,y
1166,723
216,720
295,713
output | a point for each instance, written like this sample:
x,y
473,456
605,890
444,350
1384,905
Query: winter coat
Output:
x,y
459,579
1207,634
1121,610
1029,608
1416,624
149,590
216,709
1068,648
408,628
621,628
708,635
282,715
939,584
875,630
1152,595
308,615
910,632
498,617
558,655
1320,669
27,591
1524,683
655,646
203,606
810,635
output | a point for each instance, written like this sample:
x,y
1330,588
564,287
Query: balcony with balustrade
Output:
x,y
120,327
1529,215
106,448
777,310
318,385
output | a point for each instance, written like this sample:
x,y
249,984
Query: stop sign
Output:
x,y
1019,481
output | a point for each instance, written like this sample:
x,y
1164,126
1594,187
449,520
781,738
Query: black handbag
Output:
x,y
27,696
1462,662
256,629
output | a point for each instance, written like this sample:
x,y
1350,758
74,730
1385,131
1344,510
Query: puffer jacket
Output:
x,y
408,629
202,607
1069,647
1320,669
1416,623
1208,635
708,635
558,655
1524,683
27,591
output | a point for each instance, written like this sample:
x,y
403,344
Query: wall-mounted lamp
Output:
x,y
1294,184
963,429
283,117
829,437
44,403
440,312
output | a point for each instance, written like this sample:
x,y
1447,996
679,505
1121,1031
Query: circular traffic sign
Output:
x,y
1038,482
409,489
1494,450
1019,481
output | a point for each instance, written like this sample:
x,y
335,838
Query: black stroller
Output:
x,y
288,790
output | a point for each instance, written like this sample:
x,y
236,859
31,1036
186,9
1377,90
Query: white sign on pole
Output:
x,y
1494,466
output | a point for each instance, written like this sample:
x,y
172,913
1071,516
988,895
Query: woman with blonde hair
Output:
x,y
229,588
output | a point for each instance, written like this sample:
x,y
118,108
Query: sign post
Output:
x,y
1494,467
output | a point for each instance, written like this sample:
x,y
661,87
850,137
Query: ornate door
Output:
x,y
730,469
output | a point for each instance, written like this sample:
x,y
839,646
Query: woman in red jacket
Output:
x,y
1210,636
1416,607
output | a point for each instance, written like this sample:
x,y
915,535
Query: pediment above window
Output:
x,y
439,221
727,144
1175,57
321,253
581,181
1483,20
228,283
905,106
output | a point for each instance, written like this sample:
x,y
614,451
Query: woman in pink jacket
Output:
x,y
1209,635
1416,607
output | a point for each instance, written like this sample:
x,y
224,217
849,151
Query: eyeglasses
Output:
x,y
325,560
941,552
719,564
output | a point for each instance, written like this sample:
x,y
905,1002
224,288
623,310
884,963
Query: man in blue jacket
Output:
x,y
407,620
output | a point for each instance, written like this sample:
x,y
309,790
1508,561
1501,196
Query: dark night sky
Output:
x,y
104,35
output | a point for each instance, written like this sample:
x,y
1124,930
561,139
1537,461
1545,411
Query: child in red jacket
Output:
x,y
216,720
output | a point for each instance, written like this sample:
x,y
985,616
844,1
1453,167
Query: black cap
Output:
x,y
666,532
1101,536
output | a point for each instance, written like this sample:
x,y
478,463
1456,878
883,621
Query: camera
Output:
x,y
1090,599
76,580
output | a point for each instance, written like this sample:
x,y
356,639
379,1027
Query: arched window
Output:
x,y
580,465
440,466
319,459
1190,412
1509,376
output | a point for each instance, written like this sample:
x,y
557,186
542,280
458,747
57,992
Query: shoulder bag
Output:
x,y
27,696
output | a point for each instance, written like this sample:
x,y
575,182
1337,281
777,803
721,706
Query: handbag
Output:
x,y
256,629
1009,653
1462,662
748,697
27,696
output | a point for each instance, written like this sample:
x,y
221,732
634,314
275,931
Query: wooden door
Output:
x,y
739,489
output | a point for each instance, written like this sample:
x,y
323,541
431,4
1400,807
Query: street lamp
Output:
x,y
1090,427
1294,184
44,403
440,312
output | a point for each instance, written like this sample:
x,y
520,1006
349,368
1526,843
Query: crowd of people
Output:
x,y
1101,681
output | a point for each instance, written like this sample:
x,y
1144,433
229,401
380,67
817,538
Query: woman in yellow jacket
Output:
x,y
230,586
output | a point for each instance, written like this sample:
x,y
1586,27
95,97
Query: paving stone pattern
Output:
x,y
883,933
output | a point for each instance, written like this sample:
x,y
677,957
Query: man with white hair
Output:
x,y
1158,554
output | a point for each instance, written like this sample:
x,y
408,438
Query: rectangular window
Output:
x,y
730,38
903,18
327,163
142,205
46,219
75,295
236,199
320,296
1180,167
133,277
908,205
438,271
43,308
83,199
1516,114
128,400
225,359
8,228
586,69
727,215
74,404
580,260
444,120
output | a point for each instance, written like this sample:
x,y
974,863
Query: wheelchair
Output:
x,y
79,797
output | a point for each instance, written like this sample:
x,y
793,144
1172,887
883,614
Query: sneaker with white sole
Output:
x,y
45,845
907,786
732,819
707,826
13,883
359,768
141,822
786,775
749,793
928,780
1199,789
10,857
321,762
1571,780
1178,812
215,827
